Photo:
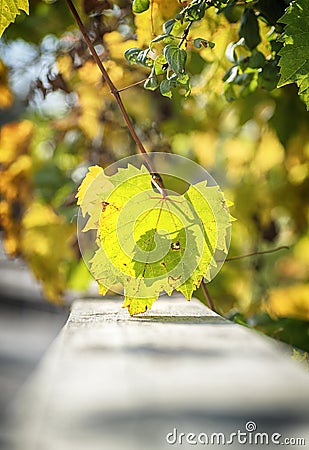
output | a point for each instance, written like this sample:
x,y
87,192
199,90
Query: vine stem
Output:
x,y
133,84
263,252
207,296
114,91
185,34
157,181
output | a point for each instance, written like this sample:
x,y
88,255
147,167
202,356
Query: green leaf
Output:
x,y
294,55
138,56
143,59
232,13
160,65
176,58
230,51
256,60
268,77
131,54
152,83
9,9
183,78
151,243
195,11
140,6
249,29
229,92
199,42
231,74
158,39
168,26
165,88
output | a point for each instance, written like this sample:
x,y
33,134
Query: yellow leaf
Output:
x,y
138,305
290,301
102,289
91,105
93,172
14,140
204,145
15,184
167,8
9,9
46,246
10,227
12,180
117,45
269,153
64,64
39,215
6,96
90,73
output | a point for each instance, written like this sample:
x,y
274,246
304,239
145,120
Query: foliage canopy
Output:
x,y
225,111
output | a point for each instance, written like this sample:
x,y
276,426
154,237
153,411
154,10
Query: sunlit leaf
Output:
x,y
15,181
44,250
151,244
6,96
290,301
9,9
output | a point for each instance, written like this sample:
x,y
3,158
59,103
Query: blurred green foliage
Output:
x,y
58,117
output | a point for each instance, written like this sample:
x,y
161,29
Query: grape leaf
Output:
x,y
140,6
88,199
48,258
294,55
9,9
149,243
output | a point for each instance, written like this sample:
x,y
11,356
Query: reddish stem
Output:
x,y
111,86
207,296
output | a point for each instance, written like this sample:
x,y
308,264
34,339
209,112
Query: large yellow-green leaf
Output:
x,y
9,9
149,243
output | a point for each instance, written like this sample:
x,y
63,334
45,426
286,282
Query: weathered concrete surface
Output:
x,y
115,382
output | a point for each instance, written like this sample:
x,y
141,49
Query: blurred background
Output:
x,y
57,118
28,325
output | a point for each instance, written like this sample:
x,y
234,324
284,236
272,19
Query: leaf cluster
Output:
x,y
256,145
254,57
294,55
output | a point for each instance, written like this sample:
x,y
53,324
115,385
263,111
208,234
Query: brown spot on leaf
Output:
x,y
104,206
175,245
172,280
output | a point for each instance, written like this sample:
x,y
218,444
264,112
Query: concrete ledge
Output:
x,y
115,382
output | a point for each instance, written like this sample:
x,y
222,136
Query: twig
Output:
x,y
151,18
185,34
264,252
156,179
111,86
207,296
133,84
